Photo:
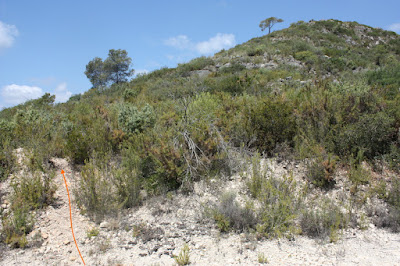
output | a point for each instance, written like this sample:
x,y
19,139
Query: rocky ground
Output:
x,y
153,233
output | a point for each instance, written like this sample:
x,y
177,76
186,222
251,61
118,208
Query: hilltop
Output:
x,y
293,135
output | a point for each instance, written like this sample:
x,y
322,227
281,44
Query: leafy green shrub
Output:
x,y
7,161
162,166
228,83
131,120
358,174
393,157
372,134
307,57
388,76
131,93
272,122
255,52
196,64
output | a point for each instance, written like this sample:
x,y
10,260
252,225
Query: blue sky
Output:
x,y
45,45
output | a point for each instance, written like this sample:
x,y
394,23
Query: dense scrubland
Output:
x,y
325,93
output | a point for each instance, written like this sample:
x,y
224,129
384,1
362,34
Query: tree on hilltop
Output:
x,y
269,23
117,66
115,69
96,73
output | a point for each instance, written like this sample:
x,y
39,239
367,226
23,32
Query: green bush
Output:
x,y
94,193
196,64
272,122
36,191
17,224
320,172
372,134
307,57
131,120
126,179
131,93
279,200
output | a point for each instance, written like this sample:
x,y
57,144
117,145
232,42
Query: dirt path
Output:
x,y
53,225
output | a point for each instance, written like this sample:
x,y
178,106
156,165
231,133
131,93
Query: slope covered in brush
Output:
x,y
323,90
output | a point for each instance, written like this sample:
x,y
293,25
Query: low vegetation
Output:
x,y
323,92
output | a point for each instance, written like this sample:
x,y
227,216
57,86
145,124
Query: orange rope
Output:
x,y
70,215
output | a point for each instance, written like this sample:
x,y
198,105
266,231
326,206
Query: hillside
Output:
x,y
319,101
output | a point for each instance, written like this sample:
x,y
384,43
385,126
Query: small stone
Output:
x,y
372,226
104,224
72,258
45,236
66,242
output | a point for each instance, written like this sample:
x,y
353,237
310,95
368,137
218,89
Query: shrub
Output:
x,y
307,57
196,64
7,161
371,134
92,232
131,93
127,186
322,221
280,207
183,258
320,172
131,120
394,205
94,193
272,122
17,224
228,214
255,52
262,259
232,69
279,200
36,191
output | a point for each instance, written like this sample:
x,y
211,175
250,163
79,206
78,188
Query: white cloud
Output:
x,y
7,35
180,42
214,44
62,93
15,94
217,43
394,27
